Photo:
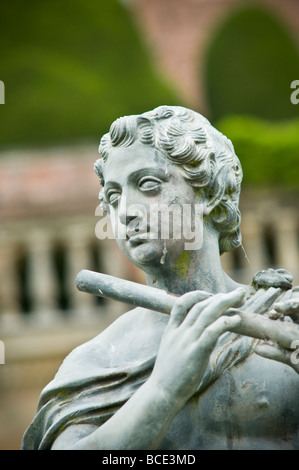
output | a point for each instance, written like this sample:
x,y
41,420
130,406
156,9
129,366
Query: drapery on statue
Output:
x,y
188,380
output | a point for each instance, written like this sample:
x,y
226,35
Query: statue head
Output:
x,y
206,157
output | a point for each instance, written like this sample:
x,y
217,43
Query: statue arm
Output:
x,y
186,345
140,424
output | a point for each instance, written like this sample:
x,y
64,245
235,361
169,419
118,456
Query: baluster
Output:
x,y
114,263
253,243
9,303
78,258
42,276
286,242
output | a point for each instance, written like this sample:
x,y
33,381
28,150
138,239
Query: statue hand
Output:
x,y
270,350
189,339
288,308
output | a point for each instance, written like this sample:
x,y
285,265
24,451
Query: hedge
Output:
x,y
70,68
268,151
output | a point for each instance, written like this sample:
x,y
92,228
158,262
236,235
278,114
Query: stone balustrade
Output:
x,y
39,262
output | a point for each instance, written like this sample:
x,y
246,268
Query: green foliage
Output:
x,y
70,68
251,63
269,152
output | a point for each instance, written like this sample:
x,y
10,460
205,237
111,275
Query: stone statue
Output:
x,y
188,380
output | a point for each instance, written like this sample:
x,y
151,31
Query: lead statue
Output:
x,y
186,380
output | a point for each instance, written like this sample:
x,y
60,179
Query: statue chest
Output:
x,y
253,406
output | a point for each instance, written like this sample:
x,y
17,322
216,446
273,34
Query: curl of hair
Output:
x,y
206,156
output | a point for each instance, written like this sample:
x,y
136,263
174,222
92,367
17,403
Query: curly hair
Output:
x,y
207,157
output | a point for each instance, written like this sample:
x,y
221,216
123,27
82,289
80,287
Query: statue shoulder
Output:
x,y
135,334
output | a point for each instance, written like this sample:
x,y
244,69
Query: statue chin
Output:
x,y
147,254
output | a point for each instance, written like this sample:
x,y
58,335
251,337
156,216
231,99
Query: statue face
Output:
x,y
139,180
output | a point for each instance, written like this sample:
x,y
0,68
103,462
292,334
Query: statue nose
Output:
x,y
132,212
126,219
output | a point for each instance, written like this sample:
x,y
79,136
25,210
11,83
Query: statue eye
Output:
x,y
112,196
148,183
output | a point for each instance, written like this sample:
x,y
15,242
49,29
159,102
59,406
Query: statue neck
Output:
x,y
193,270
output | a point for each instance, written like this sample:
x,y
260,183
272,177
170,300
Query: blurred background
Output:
x,y
71,68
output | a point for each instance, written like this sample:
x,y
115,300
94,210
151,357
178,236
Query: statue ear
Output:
x,y
213,197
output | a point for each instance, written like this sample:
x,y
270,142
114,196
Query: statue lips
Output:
x,y
136,238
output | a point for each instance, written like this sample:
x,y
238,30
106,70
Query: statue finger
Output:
x,y
270,350
213,308
184,304
211,334
288,307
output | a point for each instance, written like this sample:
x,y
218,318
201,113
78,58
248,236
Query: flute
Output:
x,y
251,324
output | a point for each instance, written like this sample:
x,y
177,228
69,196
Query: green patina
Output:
x,y
182,263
